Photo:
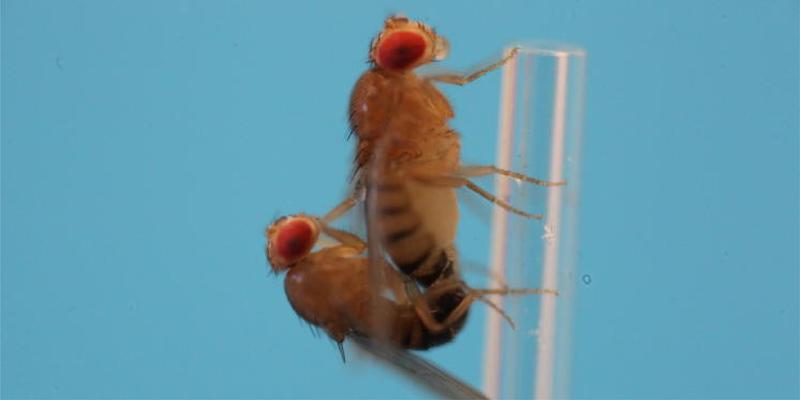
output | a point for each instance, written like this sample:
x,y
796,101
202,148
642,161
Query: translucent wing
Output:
x,y
421,372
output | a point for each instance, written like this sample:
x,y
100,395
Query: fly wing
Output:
x,y
423,373
377,259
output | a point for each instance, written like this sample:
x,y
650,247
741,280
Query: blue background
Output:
x,y
146,144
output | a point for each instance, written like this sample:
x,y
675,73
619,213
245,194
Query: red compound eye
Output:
x,y
401,50
295,239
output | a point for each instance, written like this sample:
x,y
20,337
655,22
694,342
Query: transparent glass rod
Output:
x,y
541,118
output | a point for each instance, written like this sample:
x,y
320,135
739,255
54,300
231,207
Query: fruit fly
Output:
x,y
331,288
407,161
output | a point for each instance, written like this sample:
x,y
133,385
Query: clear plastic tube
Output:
x,y
541,118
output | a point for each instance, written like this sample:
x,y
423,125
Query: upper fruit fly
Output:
x,y
407,158
331,288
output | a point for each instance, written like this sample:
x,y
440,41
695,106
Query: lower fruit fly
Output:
x,y
331,288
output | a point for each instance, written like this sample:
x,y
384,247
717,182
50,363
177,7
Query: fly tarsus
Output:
x,y
460,80
483,170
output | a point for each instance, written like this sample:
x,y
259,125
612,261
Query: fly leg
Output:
x,y
344,237
423,310
507,292
512,292
483,170
457,181
494,199
341,236
459,79
476,268
342,207
477,294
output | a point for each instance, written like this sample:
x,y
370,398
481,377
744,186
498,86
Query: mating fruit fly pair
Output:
x,y
402,286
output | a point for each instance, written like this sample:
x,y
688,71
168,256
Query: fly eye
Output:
x,y
289,241
401,50
295,239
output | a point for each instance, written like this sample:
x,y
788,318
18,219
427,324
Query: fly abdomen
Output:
x,y
442,268
399,227
442,308
413,334
403,234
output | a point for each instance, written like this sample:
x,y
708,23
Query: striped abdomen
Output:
x,y
415,224
409,332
